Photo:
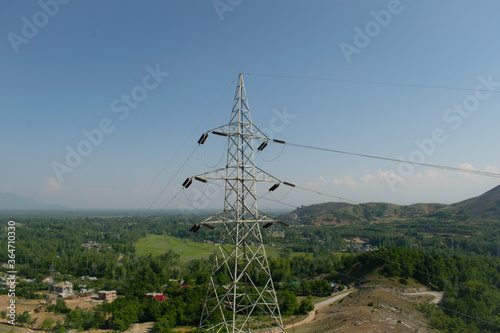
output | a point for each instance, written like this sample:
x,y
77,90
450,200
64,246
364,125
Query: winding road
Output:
x,y
438,295
310,317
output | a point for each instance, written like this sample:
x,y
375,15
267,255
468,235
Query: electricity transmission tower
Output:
x,y
241,295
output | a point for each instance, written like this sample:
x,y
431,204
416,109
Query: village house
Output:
x,y
158,296
64,288
107,295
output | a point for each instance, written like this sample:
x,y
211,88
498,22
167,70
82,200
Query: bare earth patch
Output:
x,y
371,309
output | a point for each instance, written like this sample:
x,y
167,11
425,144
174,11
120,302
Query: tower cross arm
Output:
x,y
226,174
252,132
226,217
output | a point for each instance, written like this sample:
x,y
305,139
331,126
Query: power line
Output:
x,y
436,166
328,195
168,202
466,315
168,184
373,82
185,141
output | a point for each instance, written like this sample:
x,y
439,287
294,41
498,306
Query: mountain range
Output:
x,y
485,206
11,201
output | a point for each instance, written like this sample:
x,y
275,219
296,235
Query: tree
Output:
x,y
47,323
24,318
288,302
322,287
164,324
306,306
307,286
59,307
3,314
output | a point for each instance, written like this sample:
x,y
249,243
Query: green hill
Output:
x,y
484,206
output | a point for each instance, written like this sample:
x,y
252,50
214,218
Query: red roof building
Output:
x,y
161,298
158,296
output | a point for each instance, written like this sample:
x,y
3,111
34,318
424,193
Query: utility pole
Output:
x,y
241,295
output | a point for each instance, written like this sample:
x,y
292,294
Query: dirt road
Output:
x,y
331,300
310,317
438,295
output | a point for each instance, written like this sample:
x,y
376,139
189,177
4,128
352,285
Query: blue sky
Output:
x,y
68,66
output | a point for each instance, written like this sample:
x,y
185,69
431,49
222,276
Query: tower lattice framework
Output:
x,y
241,295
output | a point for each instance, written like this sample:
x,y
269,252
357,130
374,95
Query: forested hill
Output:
x,y
485,206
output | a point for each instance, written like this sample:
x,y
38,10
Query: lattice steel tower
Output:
x,y
241,295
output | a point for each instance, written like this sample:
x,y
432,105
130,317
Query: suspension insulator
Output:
x,y
262,146
187,182
283,223
201,179
267,225
275,186
203,139
208,226
193,227
289,184
220,133
279,141
198,227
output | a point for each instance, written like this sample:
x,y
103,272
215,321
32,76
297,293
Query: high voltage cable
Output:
x,y
373,82
169,201
276,201
321,193
481,173
180,148
171,179
436,166
329,195
287,204
469,316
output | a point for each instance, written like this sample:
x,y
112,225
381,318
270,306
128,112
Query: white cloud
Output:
x,y
467,166
426,185
52,185
492,168
347,180
367,178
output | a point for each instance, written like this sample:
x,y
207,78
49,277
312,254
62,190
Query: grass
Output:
x,y
186,248
7,328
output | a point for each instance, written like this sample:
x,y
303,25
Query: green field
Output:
x,y
186,248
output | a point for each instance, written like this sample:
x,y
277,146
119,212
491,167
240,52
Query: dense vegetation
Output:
x,y
471,285
432,250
